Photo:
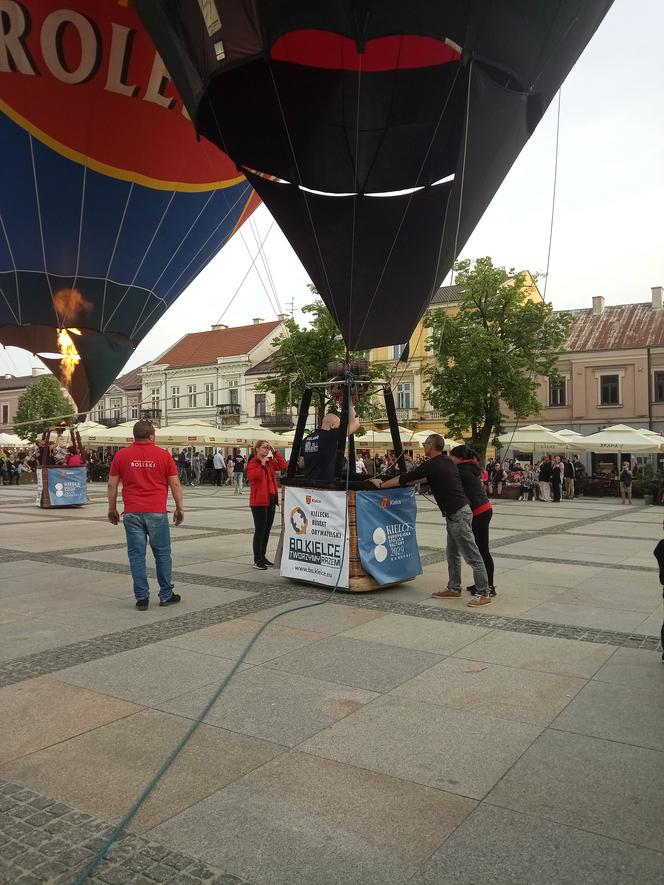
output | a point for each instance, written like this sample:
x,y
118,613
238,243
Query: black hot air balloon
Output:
x,y
109,206
375,132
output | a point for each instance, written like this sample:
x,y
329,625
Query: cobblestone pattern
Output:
x,y
43,841
54,659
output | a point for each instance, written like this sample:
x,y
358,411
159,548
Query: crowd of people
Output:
x,y
552,478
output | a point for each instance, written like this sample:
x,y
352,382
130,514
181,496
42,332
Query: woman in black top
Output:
x,y
471,479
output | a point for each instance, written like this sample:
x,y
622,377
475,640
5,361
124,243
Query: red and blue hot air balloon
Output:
x,y
109,205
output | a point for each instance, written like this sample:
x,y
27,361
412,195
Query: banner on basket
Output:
x,y
386,534
67,486
315,527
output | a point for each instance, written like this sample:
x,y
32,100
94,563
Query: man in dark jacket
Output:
x,y
568,475
443,478
557,478
545,470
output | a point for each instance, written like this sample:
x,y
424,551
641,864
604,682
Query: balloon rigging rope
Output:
x,y
463,168
115,246
553,195
182,743
11,255
80,227
41,227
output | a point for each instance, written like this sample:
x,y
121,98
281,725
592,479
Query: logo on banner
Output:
x,y
379,538
308,499
299,520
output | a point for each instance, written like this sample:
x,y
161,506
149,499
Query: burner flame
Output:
x,y
70,355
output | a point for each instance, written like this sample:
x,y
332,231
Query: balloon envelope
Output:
x,y
109,205
376,133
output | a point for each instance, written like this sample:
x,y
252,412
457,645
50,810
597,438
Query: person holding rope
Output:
x,y
319,449
443,478
470,472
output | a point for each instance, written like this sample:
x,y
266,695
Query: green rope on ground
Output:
x,y
170,759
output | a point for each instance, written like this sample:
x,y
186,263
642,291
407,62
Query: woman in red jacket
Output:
x,y
263,491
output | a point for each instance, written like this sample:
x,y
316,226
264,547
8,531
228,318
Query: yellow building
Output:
x,y
408,383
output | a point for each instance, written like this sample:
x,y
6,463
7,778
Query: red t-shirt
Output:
x,y
144,469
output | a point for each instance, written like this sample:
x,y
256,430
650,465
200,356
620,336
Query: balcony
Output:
x,y
228,414
404,416
276,420
151,415
432,415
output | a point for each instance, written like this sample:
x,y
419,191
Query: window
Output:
x,y
233,392
133,409
191,391
404,395
209,394
558,394
175,397
609,390
154,397
659,387
395,351
5,413
259,400
116,409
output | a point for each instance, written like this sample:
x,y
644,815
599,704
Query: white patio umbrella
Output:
x,y
532,438
619,438
10,439
248,434
107,436
569,434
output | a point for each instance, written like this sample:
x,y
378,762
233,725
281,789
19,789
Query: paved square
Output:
x,y
378,738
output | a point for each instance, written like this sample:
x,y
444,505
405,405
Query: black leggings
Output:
x,y
481,533
263,519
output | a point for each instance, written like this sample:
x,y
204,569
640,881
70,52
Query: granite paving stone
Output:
x,y
587,616
370,665
544,653
321,618
494,846
403,631
426,743
503,692
301,819
42,712
602,786
130,749
230,639
281,707
617,712
633,667
148,675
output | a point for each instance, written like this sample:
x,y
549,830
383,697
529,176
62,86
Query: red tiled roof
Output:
x,y
132,380
617,327
203,348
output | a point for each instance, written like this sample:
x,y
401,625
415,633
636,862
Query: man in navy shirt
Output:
x,y
319,449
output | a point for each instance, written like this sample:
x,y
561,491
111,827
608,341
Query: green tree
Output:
x,y
488,355
301,358
40,407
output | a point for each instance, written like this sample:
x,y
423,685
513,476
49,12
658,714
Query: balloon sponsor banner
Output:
x,y
386,534
67,486
315,528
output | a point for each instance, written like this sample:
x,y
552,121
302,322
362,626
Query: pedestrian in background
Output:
x,y
557,478
626,483
568,476
238,471
218,467
146,473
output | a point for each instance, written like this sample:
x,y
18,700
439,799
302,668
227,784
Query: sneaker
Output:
x,y
480,600
267,562
447,594
142,604
492,591
471,589
173,599
261,566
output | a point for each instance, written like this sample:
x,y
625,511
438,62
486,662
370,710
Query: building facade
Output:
x,y
612,369
11,389
209,376
407,362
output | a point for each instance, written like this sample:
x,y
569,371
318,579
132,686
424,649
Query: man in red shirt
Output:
x,y
146,472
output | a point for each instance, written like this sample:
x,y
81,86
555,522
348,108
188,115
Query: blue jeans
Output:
x,y
153,527
461,542
238,477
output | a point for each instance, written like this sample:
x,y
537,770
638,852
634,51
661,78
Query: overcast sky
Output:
x,y
608,235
